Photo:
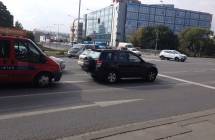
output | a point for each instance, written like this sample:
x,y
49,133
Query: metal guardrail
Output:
x,y
56,45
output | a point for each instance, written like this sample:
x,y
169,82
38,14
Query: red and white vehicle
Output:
x,y
22,61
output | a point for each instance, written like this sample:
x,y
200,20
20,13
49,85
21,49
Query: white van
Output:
x,y
129,47
125,46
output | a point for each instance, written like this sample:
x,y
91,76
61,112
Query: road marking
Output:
x,y
42,112
73,82
186,81
193,71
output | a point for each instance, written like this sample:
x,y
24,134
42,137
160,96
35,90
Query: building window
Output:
x,y
133,7
194,23
132,23
152,18
179,21
142,24
204,24
205,17
170,13
194,15
159,19
180,13
186,22
152,10
143,17
144,9
187,15
160,11
132,15
169,20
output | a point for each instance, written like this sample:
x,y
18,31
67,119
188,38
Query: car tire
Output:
x,y
43,80
111,77
151,76
162,57
177,59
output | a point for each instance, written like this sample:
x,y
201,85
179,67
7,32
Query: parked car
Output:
x,y
21,61
112,65
59,61
172,55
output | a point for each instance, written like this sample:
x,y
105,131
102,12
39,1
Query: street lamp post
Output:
x,y
156,40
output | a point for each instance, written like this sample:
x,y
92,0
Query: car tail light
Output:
x,y
98,63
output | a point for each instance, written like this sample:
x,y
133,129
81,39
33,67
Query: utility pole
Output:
x,y
156,40
79,16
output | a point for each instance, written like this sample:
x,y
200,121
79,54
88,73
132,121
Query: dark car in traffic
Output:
x,y
112,65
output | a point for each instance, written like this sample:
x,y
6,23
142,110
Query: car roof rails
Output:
x,y
13,32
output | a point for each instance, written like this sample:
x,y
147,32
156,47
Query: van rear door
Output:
x,y
5,61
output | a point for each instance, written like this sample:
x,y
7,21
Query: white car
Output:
x,y
134,50
59,61
173,55
82,57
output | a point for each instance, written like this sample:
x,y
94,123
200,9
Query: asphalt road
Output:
x,y
78,105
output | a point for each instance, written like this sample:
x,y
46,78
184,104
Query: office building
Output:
x,y
120,20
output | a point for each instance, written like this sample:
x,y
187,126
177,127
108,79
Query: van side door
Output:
x,y
27,61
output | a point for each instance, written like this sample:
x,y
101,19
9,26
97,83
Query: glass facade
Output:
x,y
100,31
141,15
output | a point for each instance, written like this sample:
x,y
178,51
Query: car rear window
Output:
x,y
4,48
94,54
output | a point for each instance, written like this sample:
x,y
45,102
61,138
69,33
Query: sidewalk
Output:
x,y
193,126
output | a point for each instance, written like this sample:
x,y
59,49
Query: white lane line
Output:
x,y
186,81
42,112
193,71
73,82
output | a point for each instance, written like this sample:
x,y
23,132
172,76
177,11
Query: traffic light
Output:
x,y
99,20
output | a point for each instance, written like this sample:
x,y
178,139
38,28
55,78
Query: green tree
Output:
x,y
148,37
6,19
18,25
30,35
196,42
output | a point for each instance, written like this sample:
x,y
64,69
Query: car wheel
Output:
x,y
43,80
162,57
111,77
177,59
151,76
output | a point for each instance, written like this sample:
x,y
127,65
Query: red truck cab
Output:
x,y
22,61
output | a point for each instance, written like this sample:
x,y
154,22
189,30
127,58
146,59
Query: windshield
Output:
x,y
130,46
94,54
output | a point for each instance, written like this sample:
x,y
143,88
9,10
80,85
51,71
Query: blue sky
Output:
x,y
45,14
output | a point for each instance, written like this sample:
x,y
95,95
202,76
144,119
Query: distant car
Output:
x,y
172,55
59,61
84,54
112,65
124,46
75,50
134,50
82,57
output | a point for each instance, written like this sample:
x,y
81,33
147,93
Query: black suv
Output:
x,y
111,65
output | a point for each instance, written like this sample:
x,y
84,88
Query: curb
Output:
x,y
139,126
